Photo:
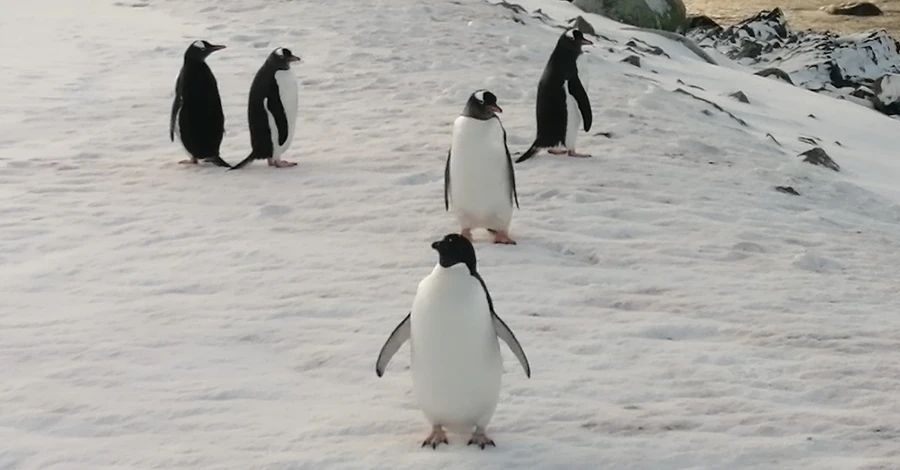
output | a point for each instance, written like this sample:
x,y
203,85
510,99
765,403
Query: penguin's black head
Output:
x,y
200,50
573,39
454,249
282,58
482,105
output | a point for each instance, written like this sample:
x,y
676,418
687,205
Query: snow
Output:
x,y
677,311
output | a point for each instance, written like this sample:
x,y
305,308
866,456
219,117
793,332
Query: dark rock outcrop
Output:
x,y
740,96
787,190
817,156
633,60
775,72
854,9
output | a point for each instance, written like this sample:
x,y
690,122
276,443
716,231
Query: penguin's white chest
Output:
x,y
573,114
480,186
456,363
287,93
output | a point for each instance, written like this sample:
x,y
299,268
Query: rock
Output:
x,y
702,22
749,49
886,94
854,9
787,190
777,73
633,60
582,25
740,96
818,61
669,15
817,156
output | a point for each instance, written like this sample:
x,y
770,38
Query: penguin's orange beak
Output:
x,y
217,48
586,42
495,108
294,58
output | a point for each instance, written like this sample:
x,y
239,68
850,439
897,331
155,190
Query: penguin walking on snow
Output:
x,y
197,118
455,356
562,101
479,179
272,109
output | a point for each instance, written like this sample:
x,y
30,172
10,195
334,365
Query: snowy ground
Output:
x,y
677,311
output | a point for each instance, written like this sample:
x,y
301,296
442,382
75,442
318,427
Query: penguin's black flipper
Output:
x,y
528,153
273,103
219,162
576,89
243,162
447,183
512,172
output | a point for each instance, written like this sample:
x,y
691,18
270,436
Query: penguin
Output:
x,y
562,102
479,179
455,355
197,118
272,109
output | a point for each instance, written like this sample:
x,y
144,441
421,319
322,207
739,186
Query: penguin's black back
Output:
x,y
551,110
264,86
201,121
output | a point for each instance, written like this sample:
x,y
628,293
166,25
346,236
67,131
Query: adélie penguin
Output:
x,y
479,179
455,356
562,101
272,109
197,118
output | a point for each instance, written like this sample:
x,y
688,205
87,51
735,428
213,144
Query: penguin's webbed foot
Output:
x,y
502,238
575,154
556,151
281,163
467,234
437,436
480,439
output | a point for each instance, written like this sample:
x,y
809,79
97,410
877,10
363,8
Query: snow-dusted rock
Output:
x,y
819,61
669,15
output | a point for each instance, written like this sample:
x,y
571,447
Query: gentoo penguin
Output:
x,y
197,117
272,109
479,180
562,102
455,356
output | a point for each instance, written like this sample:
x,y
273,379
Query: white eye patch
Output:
x,y
279,52
199,45
479,95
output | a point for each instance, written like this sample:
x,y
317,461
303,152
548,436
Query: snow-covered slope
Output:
x,y
678,312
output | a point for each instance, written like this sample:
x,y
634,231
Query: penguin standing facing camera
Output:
x,y
562,101
455,356
479,179
272,109
197,118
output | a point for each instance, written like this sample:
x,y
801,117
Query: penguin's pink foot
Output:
x,y
281,163
503,238
466,233
437,436
557,151
575,154
190,161
480,439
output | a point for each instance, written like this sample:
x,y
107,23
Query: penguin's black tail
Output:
x,y
217,160
243,162
528,153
